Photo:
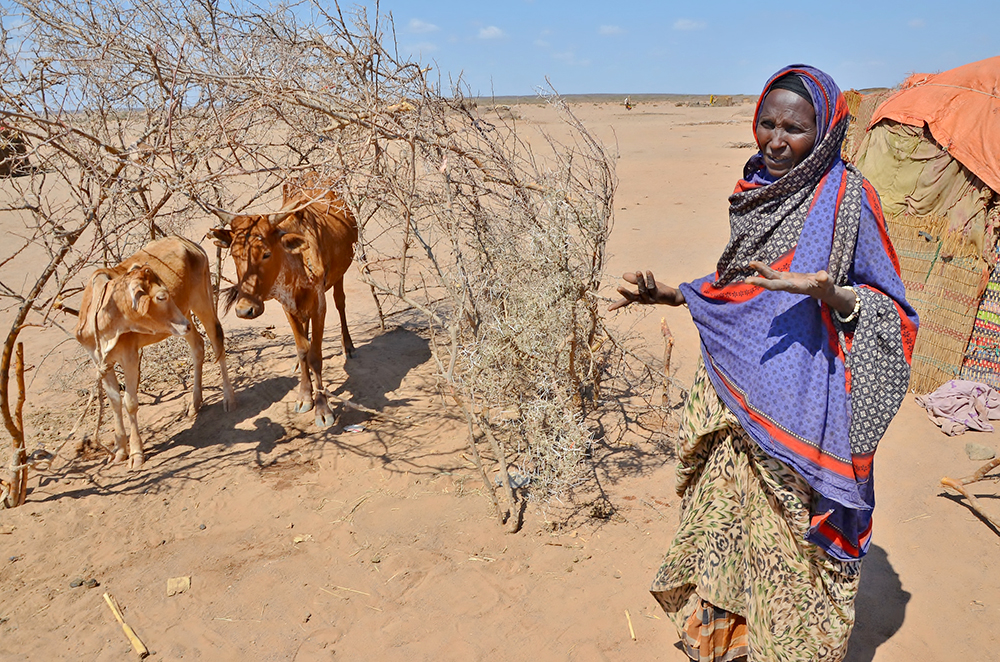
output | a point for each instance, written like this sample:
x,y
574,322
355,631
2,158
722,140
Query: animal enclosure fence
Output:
x,y
139,116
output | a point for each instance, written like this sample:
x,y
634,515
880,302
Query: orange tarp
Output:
x,y
961,107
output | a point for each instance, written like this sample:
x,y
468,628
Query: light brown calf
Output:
x,y
143,300
295,256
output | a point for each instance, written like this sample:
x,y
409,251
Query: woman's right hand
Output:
x,y
648,292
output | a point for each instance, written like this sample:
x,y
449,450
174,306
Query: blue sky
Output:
x,y
509,47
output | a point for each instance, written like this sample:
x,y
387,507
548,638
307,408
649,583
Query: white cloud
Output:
x,y
541,43
422,27
569,57
491,32
610,29
687,24
916,23
424,47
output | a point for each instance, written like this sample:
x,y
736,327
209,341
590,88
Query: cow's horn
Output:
x,y
225,216
276,219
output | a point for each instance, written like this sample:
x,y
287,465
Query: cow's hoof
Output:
x,y
135,462
229,404
325,419
302,406
118,457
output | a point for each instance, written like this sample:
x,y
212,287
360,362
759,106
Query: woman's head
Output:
x,y
799,106
785,130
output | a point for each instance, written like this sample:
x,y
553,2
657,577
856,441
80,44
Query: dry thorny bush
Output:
x,y
140,115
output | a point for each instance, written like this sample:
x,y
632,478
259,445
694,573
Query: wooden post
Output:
x,y
668,348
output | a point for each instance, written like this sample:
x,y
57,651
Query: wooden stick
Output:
x,y
982,471
973,501
631,630
137,644
668,348
21,453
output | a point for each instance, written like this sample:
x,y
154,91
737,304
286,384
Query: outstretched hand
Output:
x,y
648,292
818,285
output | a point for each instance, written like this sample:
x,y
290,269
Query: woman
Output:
x,y
806,339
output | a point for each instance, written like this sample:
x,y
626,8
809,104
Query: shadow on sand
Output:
x,y
879,608
379,366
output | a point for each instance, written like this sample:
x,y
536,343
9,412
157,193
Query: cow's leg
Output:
x,y
304,401
341,301
130,368
110,381
205,311
217,337
197,346
324,416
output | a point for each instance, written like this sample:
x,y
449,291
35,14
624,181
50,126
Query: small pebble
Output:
x,y
201,526
14,558
91,583
76,583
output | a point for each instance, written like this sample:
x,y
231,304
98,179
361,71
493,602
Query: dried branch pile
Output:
x,y
138,115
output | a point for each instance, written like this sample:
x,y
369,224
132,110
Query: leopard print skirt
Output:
x,y
740,552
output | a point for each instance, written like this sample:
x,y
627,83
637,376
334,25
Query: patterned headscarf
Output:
x,y
765,222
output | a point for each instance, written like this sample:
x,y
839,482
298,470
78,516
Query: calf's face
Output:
x,y
152,309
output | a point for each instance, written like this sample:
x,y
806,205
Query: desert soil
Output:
x,y
380,544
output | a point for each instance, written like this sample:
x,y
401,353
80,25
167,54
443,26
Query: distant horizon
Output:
x,y
645,96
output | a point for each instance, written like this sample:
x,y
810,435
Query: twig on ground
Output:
x,y
140,648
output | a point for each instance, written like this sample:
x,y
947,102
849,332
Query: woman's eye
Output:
x,y
266,255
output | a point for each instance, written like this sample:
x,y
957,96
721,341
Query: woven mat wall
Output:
x,y
982,357
862,107
945,293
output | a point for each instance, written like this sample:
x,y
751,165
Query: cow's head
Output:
x,y
148,306
259,247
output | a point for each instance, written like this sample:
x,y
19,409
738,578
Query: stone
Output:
x,y
979,453
177,585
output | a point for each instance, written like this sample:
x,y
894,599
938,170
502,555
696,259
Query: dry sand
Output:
x,y
379,545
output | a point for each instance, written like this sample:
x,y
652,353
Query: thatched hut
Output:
x,y
932,151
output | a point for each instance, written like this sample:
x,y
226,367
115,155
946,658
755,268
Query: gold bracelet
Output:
x,y
854,313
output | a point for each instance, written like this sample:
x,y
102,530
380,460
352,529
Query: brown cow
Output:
x,y
143,300
295,256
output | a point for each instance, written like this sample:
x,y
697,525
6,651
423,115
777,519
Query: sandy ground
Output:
x,y
380,544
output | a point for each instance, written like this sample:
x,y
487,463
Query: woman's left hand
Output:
x,y
818,285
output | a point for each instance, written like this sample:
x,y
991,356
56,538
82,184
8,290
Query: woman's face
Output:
x,y
785,131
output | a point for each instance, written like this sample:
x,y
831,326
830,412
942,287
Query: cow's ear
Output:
x,y
222,237
136,291
293,242
140,278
